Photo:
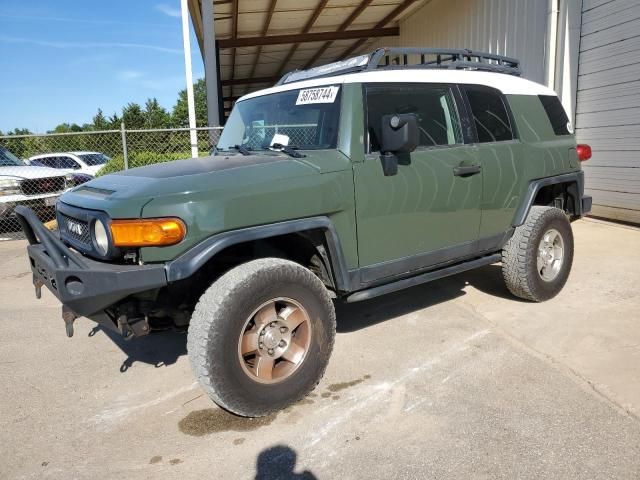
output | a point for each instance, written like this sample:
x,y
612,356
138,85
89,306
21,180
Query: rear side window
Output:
x,y
489,115
557,116
66,162
47,161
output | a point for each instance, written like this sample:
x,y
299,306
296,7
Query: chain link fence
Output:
x,y
36,169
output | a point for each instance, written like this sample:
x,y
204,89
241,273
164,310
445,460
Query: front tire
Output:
x,y
536,261
261,336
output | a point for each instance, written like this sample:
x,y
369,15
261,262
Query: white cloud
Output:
x,y
130,75
135,77
89,21
88,45
168,10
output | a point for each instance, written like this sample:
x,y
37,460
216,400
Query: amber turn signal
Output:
x,y
148,232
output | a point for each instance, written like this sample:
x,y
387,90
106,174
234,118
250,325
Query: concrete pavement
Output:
x,y
453,379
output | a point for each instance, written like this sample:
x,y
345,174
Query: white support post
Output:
x,y
193,134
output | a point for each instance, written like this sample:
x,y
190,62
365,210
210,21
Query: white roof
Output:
x,y
507,84
56,154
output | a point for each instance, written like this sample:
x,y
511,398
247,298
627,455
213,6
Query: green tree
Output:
x,y
155,115
133,116
114,122
180,114
100,122
67,128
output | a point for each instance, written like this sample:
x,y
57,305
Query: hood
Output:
x,y
28,172
205,165
195,176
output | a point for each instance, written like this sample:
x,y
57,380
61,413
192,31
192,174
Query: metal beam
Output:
x,y
391,16
196,20
265,30
309,37
346,24
247,81
234,34
211,67
306,29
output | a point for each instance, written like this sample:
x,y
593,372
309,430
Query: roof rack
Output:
x,y
411,58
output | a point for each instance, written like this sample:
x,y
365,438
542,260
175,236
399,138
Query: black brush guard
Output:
x,y
84,286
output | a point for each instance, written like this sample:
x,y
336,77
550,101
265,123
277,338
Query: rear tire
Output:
x,y
241,350
536,261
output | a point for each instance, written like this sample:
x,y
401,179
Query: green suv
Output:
x,y
340,183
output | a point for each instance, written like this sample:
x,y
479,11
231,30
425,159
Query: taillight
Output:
x,y
584,152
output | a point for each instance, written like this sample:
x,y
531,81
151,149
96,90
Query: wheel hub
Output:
x,y
274,339
550,255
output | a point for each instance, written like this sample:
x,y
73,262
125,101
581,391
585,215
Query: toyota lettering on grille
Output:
x,y
74,227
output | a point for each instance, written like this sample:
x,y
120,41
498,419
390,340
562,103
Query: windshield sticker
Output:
x,y
279,139
317,95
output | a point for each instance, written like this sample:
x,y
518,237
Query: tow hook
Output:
x,y
133,327
68,316
37,284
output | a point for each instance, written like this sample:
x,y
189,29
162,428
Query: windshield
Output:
x,y
8,159
302,118
93,159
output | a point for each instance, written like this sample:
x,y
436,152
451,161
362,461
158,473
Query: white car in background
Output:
x,y
35,187
89,163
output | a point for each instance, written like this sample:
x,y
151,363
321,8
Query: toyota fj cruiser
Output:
x,y
342,182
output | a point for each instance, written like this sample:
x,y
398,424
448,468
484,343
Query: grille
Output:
x,y
38,186
74,229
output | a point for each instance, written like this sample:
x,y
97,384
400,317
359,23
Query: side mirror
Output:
x,y
399,136
399,133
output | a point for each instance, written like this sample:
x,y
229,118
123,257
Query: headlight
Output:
x,y
69,180
100,237
9,186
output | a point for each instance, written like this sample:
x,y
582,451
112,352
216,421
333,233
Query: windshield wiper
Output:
x,y
290,150
242,149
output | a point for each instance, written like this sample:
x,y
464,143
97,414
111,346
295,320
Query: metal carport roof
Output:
x,y
260,40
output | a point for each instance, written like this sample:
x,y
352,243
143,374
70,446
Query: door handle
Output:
x,y
467,170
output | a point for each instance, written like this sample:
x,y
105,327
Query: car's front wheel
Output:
x,y
261,336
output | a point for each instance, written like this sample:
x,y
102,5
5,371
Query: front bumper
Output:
x,y
41,203
84,286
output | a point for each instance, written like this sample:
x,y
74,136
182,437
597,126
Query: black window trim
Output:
x,y
546,110
458,105
464,88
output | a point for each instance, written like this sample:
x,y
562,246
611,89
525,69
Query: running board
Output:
x,y
423,278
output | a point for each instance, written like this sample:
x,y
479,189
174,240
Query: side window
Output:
x,y
557,116
489,115
434,106
66,162
48,161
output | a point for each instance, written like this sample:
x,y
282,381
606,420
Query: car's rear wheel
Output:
x,y
537,259
261,336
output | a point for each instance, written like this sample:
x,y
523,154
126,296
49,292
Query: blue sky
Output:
x,y
63,60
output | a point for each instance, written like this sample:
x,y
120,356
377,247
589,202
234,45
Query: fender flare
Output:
x,y
192,260
535,186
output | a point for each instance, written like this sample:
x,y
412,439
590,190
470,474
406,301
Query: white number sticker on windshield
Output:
x,y
317,95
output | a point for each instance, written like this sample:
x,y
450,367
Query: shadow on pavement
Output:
x,y
279,462
356,316
159,349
